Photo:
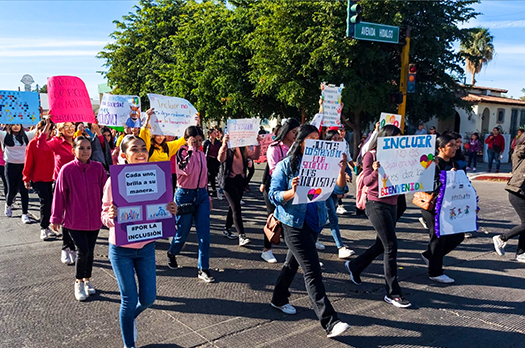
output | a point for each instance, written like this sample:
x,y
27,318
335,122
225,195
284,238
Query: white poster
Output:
x,y
243,132
119,110
172,115
318,171
457,204
331,107
393,119
406,164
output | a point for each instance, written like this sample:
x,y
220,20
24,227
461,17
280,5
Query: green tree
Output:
x,y
477,49
522,91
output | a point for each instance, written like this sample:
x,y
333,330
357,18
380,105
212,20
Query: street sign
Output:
x,y
376,32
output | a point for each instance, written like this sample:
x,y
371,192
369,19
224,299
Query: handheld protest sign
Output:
x,y
172,115
407,164
243,132
19,107
318,171
69,100
141,193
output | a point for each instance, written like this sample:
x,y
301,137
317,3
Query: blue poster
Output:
x,y
19,107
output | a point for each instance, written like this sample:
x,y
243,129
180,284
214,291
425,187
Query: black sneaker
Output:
x,y
205,275
229,234
356,279
172,261
399,302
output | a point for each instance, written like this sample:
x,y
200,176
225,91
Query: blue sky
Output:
x,y
47,38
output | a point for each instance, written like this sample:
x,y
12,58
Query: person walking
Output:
x,y
134,259
382,213
301,226
516,189
211,147
438,247
276,152
496,146
193,202
474,145
77,204
235,166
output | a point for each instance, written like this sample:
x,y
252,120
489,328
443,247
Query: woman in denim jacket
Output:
x,y
301,226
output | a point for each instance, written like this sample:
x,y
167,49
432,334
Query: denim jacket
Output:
x,y
287,213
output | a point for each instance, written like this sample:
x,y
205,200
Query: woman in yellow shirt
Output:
x,y
159,149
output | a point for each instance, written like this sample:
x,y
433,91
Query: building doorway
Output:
x,y
485,119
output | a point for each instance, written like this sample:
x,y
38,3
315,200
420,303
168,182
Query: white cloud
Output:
x,y
17,43
48,53
502,24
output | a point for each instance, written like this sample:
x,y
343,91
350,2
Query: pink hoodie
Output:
x,y
191,165
77,201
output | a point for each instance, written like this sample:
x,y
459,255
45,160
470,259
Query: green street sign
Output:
x,y
376,32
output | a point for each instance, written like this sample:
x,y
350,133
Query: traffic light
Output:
x,y
353,16
411,79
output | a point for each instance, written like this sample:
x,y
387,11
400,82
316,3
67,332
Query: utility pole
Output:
x,y
401,110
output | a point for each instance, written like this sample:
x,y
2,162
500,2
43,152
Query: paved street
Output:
x,y
483,309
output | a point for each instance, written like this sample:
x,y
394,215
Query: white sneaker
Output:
x,y
44,235
338,329
287,308
65,258
242,202
344,252
341,210
72,257
423,222
80,292
8,211
520,257
319,246
26,219
445,279
220,195
268,256
89,288
499,245
243,240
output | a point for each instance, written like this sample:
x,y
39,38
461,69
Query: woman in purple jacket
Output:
x,y
77,204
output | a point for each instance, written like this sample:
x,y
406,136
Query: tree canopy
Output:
x,y
253,58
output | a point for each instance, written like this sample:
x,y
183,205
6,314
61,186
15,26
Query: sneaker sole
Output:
x,y
498,249
230,237
338,333
245,243
347,266
396,304
442,282
270,260
206,280
279,308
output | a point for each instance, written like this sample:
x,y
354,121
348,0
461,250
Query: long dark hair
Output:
x,y
162,146
387,131
296,153
112,141
21,137
330,134
290,124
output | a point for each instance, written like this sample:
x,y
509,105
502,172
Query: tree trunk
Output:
x,y
303,115
473,79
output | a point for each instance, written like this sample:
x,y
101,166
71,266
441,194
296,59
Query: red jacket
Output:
x,y
498,140
39,163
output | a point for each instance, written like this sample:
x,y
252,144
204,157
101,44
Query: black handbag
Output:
x,y
186,208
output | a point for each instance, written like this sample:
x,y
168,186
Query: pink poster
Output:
x,y
69,100
267,139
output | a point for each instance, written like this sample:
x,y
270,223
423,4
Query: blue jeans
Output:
x,y
127,262
201,218
331,203
493,155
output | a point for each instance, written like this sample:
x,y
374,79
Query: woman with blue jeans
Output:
x,y
301,226
131,259
193,201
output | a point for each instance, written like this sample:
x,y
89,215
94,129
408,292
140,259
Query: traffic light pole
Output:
x,y
401,110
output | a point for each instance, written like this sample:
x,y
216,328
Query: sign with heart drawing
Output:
x,y
406,164
318,171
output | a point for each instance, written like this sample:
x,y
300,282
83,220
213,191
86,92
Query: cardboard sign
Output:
x,y
407,164
119,110
19,107
267,139
243,132
69,100
393,119
331,107
318,171
141,193
456,204
172,115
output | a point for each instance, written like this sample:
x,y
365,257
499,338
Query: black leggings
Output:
x,y
213,170
13,172
233,191
4,181
85,242
518,203
45,193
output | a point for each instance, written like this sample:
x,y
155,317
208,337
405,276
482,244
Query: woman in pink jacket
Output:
x,y
131,259
77,204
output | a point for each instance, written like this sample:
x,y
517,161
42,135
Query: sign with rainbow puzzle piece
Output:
x,y
19,107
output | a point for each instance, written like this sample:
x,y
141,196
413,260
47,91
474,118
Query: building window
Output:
x,y
501,116
522,118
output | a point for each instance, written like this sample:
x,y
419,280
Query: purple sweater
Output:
x,y
77,202
371,180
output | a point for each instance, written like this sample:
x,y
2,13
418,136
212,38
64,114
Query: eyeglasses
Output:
x,y
68,127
